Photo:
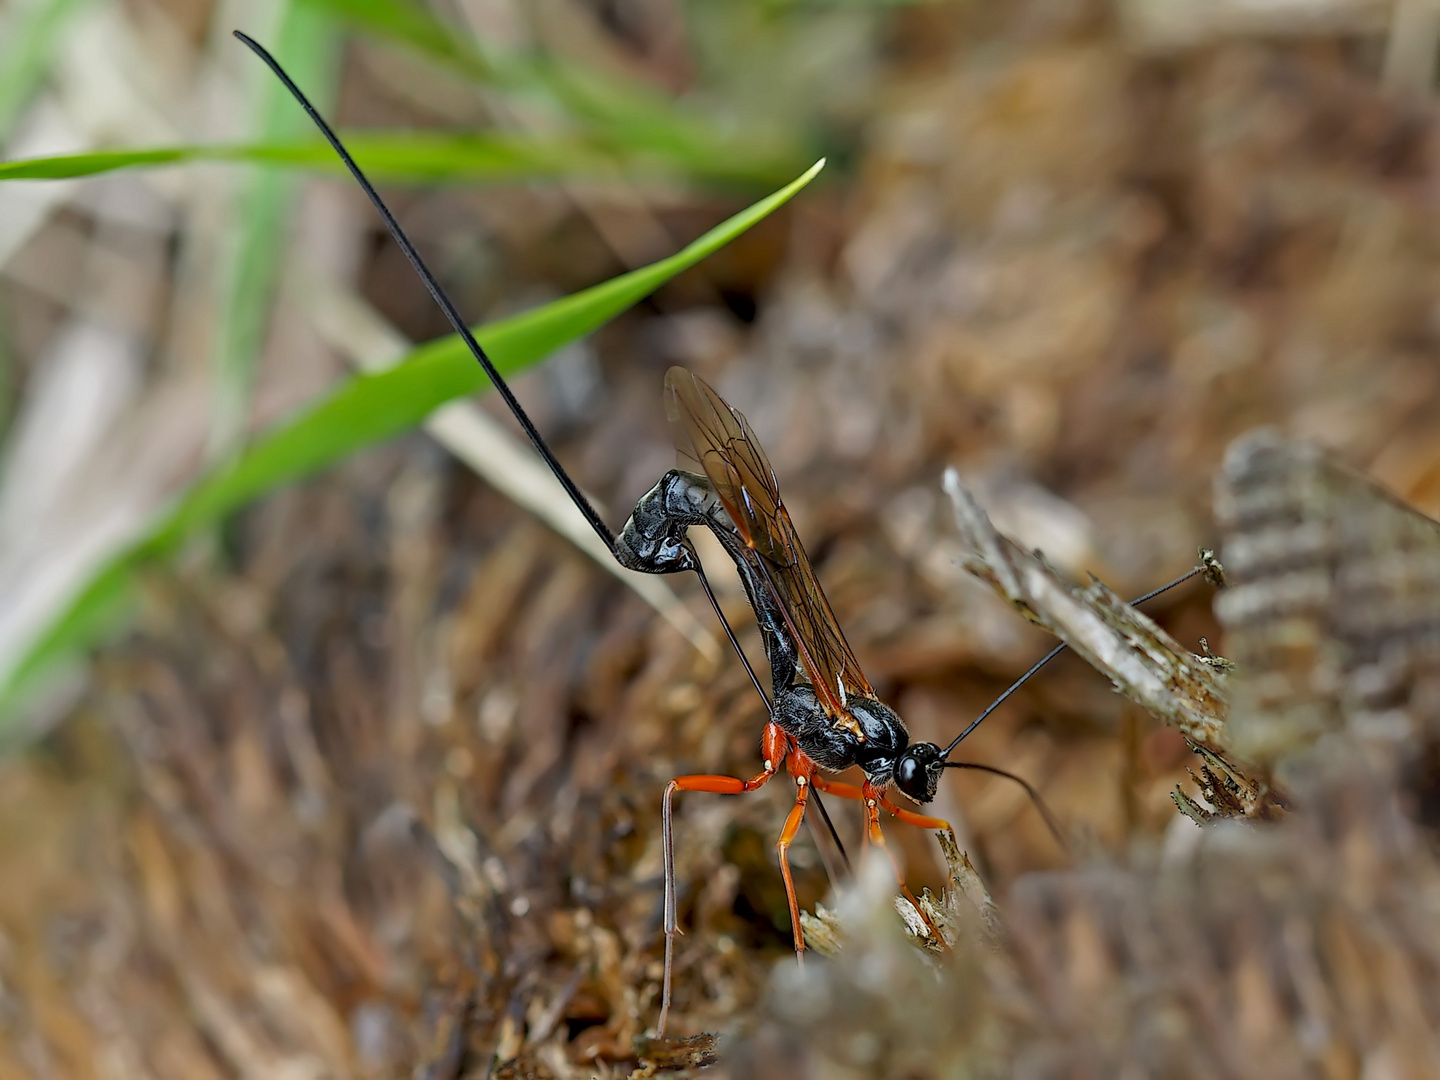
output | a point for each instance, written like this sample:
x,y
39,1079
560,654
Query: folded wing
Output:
x,y
721,441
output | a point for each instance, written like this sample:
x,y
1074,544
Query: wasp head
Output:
x,y
917,771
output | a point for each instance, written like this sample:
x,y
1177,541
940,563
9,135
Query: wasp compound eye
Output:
x,y
917,773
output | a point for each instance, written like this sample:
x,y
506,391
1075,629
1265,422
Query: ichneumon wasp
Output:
x,y
824,716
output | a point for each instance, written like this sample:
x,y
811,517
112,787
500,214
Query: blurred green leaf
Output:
x,y
410,24
255,240
66,166
365,411
30,34
623,115
401,156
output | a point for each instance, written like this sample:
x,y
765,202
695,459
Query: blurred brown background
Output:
x,y
372,783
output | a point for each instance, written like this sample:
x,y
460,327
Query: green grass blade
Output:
x,y
68,166
388,157
365,411
436,157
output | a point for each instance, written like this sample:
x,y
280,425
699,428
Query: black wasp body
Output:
x,y
654,541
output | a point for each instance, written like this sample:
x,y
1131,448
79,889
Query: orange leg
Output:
x,y
874,798
775,744
920,821
838,789
782,846
867,795
850,791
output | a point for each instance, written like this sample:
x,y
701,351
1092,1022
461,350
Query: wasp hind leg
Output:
x,y
775,746
782,847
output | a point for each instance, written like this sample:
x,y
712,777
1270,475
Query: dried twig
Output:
x,y
1144,663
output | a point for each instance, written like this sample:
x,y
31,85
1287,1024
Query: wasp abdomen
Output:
x,y
653,539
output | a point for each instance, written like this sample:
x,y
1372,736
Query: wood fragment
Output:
x,y
1143,662
823,931
966,882
1228,791
669,1055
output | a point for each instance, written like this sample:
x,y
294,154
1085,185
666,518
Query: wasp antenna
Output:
x,y
437,294
1045,813
1203,568
1021,681
1056,651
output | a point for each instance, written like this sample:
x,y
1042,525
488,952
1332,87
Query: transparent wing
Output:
x,y
721,441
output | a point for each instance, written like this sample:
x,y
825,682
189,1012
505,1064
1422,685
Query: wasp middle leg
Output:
x,y
872,799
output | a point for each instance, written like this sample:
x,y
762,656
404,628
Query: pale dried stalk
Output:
x,y
1144,663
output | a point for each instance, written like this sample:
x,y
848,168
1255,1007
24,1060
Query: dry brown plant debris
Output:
x,y
1336,602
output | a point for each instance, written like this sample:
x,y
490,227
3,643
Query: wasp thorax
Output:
x,y
884,738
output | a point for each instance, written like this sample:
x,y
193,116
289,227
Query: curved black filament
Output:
x,y
1050,822
1051,656
438,295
